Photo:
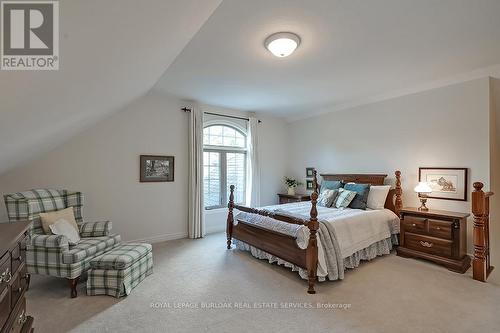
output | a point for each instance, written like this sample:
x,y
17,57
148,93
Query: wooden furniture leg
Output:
x,y
72,284
312,248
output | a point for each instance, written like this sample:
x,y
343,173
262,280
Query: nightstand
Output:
x,y
287,198
436,235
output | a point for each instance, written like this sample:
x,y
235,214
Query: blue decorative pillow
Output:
x,y
362,190
331,185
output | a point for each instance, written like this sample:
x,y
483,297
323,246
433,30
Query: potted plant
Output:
x,y
291,184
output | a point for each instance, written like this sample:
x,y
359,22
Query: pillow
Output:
x,y
362,190
50,218
330,185
327,198
63,227
377,196
344,198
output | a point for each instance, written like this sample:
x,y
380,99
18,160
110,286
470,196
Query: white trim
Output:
x,y
460,78
161,238
221,121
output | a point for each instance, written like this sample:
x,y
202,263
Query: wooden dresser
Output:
x,y
436,235
287,198
14,280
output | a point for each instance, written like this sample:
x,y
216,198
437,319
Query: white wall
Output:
x,y
445,127
495,179
103,163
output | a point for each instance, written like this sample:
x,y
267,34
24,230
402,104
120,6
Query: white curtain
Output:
x,y
196,228
253,166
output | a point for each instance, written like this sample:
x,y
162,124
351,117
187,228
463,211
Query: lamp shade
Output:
x,y
282,44
423,187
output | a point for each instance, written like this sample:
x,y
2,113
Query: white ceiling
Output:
x,y
111,53
351,50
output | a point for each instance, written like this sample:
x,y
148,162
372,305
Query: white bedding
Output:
x,y
355,229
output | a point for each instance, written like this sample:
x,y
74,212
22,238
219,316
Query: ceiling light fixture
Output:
x,y
282,44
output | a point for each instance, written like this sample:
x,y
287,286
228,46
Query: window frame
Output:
x,y
223,151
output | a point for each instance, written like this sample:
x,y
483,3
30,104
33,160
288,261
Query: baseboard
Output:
x,y
161,238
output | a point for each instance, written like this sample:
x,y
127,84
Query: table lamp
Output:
x,y
423,189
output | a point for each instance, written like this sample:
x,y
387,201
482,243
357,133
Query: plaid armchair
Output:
x,y
51,254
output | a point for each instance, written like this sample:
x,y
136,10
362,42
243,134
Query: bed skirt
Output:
x,y
379,248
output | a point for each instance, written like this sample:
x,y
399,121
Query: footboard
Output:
x,y
278,244
275,243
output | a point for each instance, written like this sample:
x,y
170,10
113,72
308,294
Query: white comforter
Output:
x,y
355,229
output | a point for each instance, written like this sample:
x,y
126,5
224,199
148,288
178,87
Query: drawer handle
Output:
x,y
413,225
438,228
22,318
6,276
426,244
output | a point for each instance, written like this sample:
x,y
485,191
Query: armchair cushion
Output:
x,y
89,247
95,229
52,217
50,241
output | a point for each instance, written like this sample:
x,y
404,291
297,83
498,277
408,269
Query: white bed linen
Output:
x,y
355,229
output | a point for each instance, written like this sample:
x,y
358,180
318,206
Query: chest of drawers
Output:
x,y
288,198
14,279
439,236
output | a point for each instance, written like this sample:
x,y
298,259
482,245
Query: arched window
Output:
x,y
224,164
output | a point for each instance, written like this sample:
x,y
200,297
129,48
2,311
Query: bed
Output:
x,y
318,242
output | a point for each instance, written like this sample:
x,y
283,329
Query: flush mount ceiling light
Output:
x,y
282,44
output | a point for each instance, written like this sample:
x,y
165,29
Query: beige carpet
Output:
x,y
389,294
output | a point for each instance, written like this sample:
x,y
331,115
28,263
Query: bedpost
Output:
x,y
398,205
481,266
312,248
229,226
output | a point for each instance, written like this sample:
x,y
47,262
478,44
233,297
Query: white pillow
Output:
x,y
377,196
63,227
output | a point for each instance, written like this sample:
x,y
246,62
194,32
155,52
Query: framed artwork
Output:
x,y
309,185
446,183
309,172
156,168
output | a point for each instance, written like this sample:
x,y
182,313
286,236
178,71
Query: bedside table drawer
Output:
x,y
441,229
414,224
430,245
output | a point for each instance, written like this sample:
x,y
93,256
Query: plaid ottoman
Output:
x,y
118,271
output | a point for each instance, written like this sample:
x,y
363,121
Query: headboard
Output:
x,y
373,179
393,201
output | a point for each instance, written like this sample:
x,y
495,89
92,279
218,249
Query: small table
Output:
x,y
436,235
287,198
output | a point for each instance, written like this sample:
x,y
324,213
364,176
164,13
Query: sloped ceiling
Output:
x,y
111,52
351,51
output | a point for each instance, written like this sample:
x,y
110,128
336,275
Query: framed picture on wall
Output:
x,y
446,183
309,172
156,168
309,185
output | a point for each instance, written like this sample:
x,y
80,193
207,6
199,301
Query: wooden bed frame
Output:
x,y
285,246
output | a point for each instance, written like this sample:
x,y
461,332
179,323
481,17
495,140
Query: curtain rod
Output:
x,y
218,114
